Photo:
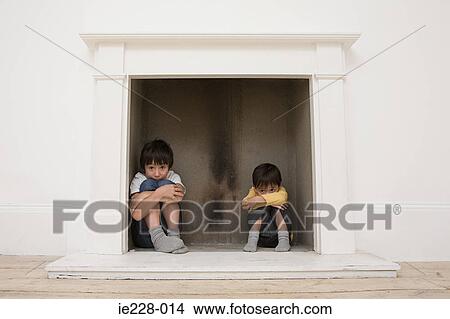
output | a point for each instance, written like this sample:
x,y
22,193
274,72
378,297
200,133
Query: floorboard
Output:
x,y
25,277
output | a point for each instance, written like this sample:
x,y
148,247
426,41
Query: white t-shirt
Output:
x,y
139,178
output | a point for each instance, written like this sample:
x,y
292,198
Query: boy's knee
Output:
x,y
163,182
148,185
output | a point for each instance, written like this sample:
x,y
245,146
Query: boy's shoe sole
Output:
x,y
181,250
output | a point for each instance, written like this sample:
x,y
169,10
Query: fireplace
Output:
x,y
225,89
229,75
226,129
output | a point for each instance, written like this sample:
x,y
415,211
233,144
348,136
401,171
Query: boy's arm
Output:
x,y
251,193
251,199
136,198
141,203
277,198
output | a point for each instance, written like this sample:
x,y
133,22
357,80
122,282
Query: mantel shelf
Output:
x,y
346,39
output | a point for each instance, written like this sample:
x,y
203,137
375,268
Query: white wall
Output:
x,y
397,111
45,117
396,105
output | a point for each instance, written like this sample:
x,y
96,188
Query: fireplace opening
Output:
x,y
226,130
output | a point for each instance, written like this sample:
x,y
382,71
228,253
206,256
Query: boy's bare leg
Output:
x,y
171,212
153,219
161,242
257,225
283,234
281,224
253,236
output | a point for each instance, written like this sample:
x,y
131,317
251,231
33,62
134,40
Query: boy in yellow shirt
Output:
x,y
265,202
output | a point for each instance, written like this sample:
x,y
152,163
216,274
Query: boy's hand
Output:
x,y
179,198
182,187
170,193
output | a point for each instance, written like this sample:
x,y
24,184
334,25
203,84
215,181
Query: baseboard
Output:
x,y
28,230
419,232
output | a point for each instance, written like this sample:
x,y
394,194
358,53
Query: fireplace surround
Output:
x,y
126,59
242,72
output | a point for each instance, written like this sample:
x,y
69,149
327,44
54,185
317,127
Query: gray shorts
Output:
x,y
268,234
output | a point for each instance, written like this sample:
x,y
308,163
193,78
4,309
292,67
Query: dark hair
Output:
x,y
266,174
157,152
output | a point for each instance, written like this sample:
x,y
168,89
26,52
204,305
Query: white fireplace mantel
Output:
x,y
346,39
118,58
144,54
320,57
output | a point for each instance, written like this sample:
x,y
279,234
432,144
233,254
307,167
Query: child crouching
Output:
x,y
156,191
265,202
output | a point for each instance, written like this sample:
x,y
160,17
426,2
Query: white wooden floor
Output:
x,y
25,277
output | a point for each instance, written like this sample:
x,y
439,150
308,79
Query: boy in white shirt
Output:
x,y
155,190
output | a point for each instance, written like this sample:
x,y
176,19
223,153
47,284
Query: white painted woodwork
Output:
x,y
216,55
221,265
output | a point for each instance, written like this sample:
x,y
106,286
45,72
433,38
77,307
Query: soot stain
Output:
x,y
221,119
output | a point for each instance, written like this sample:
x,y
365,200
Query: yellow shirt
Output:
x,y
274,199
